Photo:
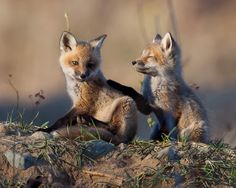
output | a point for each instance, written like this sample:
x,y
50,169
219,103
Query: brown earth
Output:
x,y
70,163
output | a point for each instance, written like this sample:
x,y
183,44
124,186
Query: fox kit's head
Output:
x,y
80,60
160,57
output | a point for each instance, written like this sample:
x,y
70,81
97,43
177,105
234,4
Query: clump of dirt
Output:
x,y
73,163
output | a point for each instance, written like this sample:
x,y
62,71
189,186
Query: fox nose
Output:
x,y
83,76
134,62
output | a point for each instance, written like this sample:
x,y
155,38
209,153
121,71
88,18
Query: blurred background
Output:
x,y
29,51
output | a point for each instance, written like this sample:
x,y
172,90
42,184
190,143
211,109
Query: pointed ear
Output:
x,y
67,41
97,43
157,39
167,43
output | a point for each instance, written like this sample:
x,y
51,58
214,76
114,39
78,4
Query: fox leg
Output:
x,y
196,131
123,122
72,118
193,125
140,101
122,125
85,133
121,128
159,131
69,118
144,107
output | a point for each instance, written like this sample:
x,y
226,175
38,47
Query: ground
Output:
x,y
30,162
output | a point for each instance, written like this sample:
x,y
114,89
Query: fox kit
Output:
x,y
165,88
114,114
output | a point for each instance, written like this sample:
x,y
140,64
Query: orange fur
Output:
x,y
153,51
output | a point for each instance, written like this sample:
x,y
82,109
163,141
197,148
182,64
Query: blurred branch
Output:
x,y
141,20
173,21
174,24
67,22
16,91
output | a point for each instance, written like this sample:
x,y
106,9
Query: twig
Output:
x,y
117,180
7,140
67,22
17,94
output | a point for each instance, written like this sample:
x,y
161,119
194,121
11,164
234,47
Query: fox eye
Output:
x,y
74,62
151,58
90,65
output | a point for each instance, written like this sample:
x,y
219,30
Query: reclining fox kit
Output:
x,y
113,114
164,88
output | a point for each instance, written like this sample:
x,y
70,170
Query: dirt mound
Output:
x,y
29,162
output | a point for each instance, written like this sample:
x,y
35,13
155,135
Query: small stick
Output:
x,y
118,180
67,22
17,93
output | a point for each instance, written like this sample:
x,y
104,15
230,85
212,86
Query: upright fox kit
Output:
x,y
114,114
165,88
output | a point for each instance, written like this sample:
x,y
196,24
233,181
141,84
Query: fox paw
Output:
x,y
126,105
39,135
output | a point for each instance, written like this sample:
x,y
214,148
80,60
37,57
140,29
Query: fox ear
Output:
x,y
167,43
97,43
157,39
67,41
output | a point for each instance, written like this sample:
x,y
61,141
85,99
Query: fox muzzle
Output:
x,y
137,63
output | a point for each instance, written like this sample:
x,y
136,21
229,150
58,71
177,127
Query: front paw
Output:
x,y
40,135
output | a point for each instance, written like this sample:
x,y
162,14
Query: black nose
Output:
x,y
134,62
83,76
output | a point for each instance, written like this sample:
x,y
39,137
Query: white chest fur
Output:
x,y
73,89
